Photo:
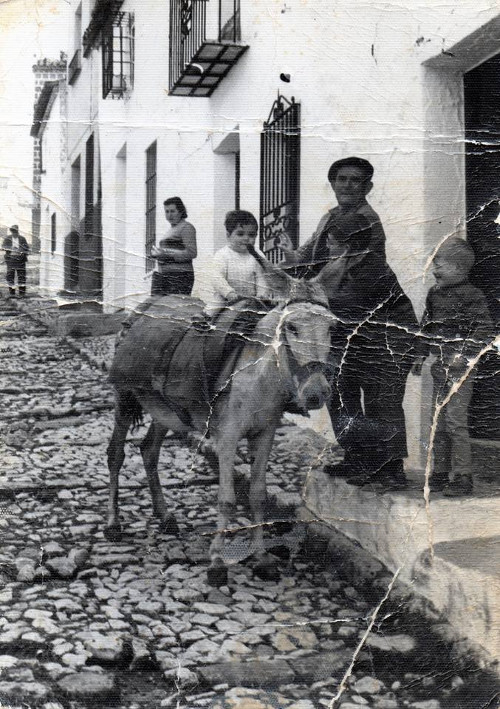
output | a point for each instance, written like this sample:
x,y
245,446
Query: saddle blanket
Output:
x,y
169,346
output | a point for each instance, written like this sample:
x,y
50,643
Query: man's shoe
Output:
x,y
396,482
438,483
361,480
460,487
340,470
392,476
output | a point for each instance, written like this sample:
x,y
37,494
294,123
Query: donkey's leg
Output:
x,y
150,449
124,412
259,447
217,573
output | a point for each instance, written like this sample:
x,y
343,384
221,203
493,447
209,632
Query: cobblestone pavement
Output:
x,y
86,623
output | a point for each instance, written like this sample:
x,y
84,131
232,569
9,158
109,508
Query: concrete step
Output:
x,y
463,581
444,550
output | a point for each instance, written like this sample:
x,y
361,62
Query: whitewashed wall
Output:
x,y
53,200
381,81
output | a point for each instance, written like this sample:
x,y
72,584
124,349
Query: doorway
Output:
x,y
482,171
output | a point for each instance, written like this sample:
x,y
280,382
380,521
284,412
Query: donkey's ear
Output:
x,y
278,281
318,290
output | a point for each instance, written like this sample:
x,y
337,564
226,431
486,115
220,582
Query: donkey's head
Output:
x,y
304,337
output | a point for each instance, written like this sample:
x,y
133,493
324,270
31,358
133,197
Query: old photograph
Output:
x,y
250,354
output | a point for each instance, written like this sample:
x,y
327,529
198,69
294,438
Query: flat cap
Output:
x,y
353,161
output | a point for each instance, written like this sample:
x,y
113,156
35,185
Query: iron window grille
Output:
x,y
89,188
53,232
151,167
280,177
118,56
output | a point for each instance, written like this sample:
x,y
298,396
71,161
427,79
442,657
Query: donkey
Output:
x,y
285,359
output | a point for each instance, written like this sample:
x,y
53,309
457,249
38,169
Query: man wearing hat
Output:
x,y
351,181
374,339
16,251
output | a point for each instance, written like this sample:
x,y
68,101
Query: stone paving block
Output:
x,y
90,685
266,673
316,668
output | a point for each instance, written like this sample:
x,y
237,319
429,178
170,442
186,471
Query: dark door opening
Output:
x,y
71,261
90,258
482,169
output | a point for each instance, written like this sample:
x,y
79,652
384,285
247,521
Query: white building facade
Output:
x,y
171,98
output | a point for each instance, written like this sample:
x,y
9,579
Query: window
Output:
x,y
280,176
150,203
75,65
53,232
89,187
118,56
75,194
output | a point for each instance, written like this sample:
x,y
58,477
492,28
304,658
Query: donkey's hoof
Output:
x,y
266,570
169,526
113,533
217,576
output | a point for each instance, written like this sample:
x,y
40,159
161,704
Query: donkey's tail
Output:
x,y
130,408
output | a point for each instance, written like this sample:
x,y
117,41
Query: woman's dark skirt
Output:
x,y
170,283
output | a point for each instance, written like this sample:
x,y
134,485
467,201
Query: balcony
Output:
x,y
198,64
103,12
75,67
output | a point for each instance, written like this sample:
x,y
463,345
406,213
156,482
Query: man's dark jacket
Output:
x,y
16,258
364,293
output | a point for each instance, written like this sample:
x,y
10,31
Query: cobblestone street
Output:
x,y
85,622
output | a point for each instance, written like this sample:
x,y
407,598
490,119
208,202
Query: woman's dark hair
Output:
x,y
179,204
239,217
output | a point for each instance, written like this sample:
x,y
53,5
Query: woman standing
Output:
x,y
175,252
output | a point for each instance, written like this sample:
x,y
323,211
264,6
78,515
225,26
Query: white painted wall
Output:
x,y
54,199
382,81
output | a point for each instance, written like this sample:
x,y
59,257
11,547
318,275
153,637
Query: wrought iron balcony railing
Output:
x,y
198,64
75,67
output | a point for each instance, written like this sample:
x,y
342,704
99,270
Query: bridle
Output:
x,y
298,372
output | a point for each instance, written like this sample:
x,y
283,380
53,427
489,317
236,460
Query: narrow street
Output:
x,y
86,623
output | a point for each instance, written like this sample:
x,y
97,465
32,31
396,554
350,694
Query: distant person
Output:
x,y
175,252
456,325
351,181
16,250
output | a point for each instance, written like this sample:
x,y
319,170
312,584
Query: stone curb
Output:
x,y
353,562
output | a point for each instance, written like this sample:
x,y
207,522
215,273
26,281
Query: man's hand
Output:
x,y
416,370
285,243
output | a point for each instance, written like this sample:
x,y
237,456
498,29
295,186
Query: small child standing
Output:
x,y
455,327
234,271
